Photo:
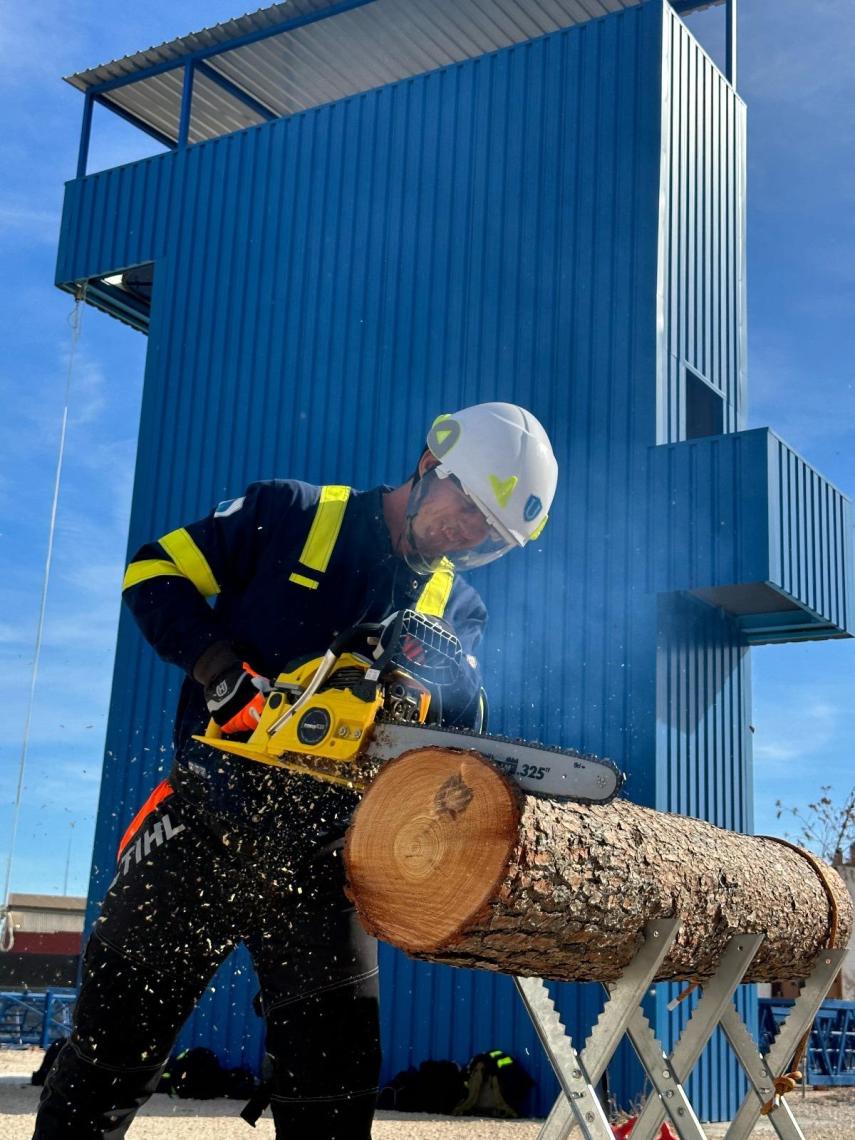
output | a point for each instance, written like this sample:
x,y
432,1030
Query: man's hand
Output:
x,y
235,697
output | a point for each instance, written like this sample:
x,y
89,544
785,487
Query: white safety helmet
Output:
x,y
501,458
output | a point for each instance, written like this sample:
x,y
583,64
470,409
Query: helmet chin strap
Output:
x,y
413,556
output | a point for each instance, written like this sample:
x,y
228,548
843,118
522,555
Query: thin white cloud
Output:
x,y
78,645
29,439
87,400
805,411
40,868
119,144
35,224
793,69
815,726
34,46
803,719
813,424
68,695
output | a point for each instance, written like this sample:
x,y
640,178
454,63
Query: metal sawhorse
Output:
x,y
579,1071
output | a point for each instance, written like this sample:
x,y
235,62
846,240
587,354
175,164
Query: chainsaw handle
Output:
x,y
355,633
344,639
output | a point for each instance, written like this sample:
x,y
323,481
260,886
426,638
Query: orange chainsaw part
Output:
x,y
250,714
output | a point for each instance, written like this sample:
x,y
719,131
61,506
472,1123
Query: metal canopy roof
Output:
x,y
302,53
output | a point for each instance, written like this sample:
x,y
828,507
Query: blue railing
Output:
x,y
831,1049
28,1018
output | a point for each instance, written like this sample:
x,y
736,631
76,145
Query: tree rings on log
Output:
x,y
450,861
410,861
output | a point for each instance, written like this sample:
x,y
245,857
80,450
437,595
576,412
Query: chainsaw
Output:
x,y
376,693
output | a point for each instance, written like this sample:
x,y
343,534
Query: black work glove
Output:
x,y
234,692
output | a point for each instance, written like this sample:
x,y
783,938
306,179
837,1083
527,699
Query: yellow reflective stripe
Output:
x,y
149,568
504,1061
325,528
301,581
538,530
190,561
434,597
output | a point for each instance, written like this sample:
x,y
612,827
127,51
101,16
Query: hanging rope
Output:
x,y
7,934
682,995
788,1081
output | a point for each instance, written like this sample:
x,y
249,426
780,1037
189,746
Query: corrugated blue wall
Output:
x,y
740,510
810,524
704,754
711,526
704,698
324,285
703,675
702,286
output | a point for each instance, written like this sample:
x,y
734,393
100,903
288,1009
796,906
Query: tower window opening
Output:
x,y
704,407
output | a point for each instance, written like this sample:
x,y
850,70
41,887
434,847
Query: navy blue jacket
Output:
x,y
250,547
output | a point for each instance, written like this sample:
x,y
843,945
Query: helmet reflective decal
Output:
x,y
532,508
538,530
443,435
503,488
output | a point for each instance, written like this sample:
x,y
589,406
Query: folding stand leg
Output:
x,y
762,1071
579,1073
579,1098
715,999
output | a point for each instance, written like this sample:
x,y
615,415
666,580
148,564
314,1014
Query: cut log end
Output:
x,y
432,845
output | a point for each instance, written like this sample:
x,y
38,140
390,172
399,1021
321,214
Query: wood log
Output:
x,y
450,861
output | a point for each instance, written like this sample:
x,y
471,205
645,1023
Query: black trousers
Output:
x,y
184,896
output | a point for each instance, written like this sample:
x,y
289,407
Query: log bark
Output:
x,y
450,861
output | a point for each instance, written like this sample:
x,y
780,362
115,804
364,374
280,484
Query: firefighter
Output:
x,y
227,851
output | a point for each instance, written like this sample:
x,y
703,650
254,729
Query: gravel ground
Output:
x,y
823,1114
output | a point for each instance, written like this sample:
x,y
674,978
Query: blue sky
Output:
x,y
797,78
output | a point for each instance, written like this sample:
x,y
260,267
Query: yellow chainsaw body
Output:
x,y
335,724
